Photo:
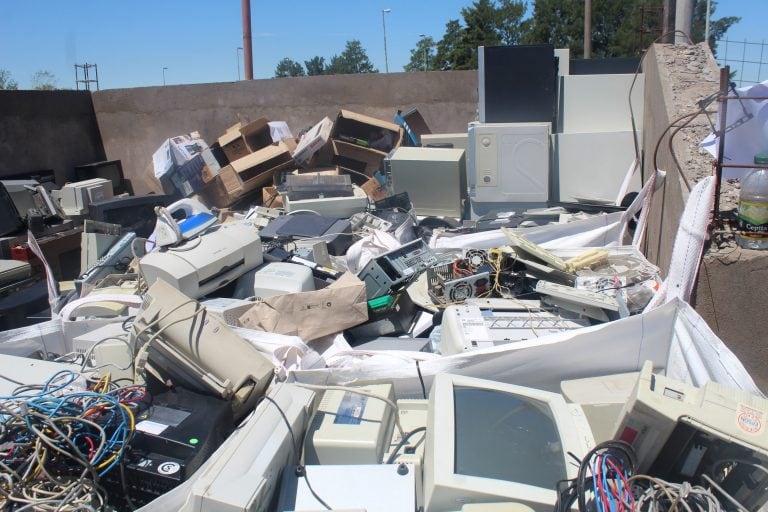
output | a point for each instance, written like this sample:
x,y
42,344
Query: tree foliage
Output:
x,y
423,56
353,59
620,28
288,67
7,82
717,28
43,81
315,66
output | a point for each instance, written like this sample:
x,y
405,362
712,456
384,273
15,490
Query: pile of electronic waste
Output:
x,y
166,377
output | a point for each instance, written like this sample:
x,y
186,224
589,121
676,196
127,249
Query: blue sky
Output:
x,y
197,40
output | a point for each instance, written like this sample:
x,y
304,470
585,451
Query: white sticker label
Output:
x,y
474,329
151,427
749,419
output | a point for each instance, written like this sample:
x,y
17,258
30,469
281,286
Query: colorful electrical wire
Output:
x,y
55,444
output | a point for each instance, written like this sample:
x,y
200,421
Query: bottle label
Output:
x,y
753,218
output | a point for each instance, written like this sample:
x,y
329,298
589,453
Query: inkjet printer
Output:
x,y
198,266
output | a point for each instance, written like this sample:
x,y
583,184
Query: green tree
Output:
x,y
352,60
556,22
620,28
288,67
717,27
43,81
510,24
423,56
481,22
6,82
484,23
315,66
449,47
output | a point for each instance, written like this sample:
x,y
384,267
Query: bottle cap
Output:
x,y
761,158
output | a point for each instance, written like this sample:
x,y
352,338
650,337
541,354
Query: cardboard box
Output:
x,y
239,142
375,190
271,198
357,158
214,194
312,141
369,132
360,142
256,169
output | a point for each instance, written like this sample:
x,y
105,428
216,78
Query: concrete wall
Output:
x,y
41,130
134,122
730,292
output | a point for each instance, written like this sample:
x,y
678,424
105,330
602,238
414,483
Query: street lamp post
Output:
x,y
237,57
164,76
384,25
424,41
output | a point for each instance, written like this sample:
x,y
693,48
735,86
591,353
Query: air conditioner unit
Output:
x,y
509,162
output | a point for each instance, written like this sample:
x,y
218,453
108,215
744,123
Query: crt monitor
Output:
x,y
490,442
109,169
134,213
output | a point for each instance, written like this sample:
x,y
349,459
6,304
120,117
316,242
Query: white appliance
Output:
x,y
435,179
351,488
26,371
198,266
509,162
350,427
339,207
277,278
243,474
591,167
466,327
490,442
76,197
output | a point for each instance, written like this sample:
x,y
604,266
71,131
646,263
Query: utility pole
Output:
x,y
247,44
587,29
384,25
164,76
683,20
237,60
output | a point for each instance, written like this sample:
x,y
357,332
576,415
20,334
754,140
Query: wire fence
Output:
x,y
748,60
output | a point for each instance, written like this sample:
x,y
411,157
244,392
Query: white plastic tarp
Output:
x,y
746,128
597,231
673,336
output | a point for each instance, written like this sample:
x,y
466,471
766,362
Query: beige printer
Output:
x,y
203,264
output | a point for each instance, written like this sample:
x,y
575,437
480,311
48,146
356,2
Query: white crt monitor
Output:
x,y
490,442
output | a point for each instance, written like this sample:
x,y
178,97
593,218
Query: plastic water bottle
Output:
x,y
753,206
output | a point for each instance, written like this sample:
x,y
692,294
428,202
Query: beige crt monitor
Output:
x,y
435,179
490,442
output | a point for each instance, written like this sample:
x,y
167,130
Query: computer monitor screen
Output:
x,y
491,442
134,213
520,442
110,169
